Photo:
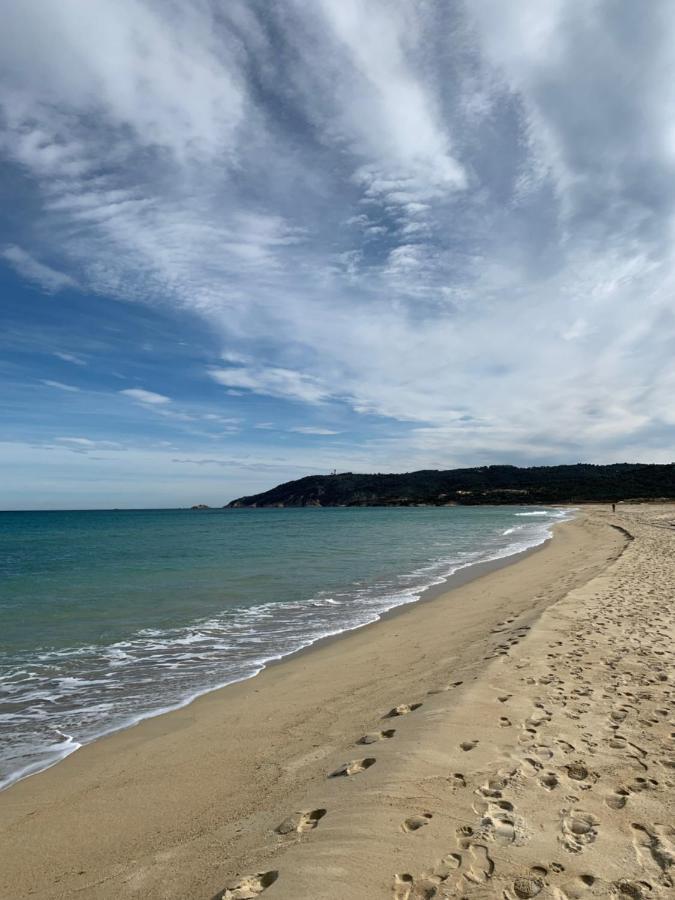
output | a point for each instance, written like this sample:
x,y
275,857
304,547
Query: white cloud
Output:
x,y
383,104
71,358
458,218
149,398
153,68
275,382
60,385
311,429
578,329
32,269
86,445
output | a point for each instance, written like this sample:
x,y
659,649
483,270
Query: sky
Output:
x,y
242,241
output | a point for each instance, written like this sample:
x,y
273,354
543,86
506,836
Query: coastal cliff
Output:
x,y
580,483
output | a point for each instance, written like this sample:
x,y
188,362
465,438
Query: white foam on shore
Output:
x,y
57,712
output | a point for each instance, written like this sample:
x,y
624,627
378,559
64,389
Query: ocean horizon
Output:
x,y
114,616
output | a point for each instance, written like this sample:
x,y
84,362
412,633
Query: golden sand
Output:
x,y
511,738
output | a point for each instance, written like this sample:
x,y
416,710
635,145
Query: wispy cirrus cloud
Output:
x,y
49,279
145,397
70,358
60,385
457,218
87,445
274,382
314,429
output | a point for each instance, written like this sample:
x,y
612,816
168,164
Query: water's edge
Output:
x,y
461,575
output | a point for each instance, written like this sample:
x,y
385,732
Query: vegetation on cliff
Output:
x,y
580,483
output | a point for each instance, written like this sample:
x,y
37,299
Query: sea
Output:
x,y
110,617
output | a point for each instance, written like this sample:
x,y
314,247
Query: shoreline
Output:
x,y
462,575
178,803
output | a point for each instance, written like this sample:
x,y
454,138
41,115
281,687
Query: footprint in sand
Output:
x,y
538,871
645,784
524,888
536,720
464,835
301,821
403,885
549,780
402,710
448,865
481,866
577,771
483,807
373,736
498,823
618,798
408,888
492,788
468,745
631,890
414,823
354,767
542,751
653,846
504,722
246,887
428,885
578,830
447,687
532,766
576,888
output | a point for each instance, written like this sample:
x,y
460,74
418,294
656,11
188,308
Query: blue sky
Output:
x,y
242,242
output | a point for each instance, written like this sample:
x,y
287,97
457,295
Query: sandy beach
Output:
x,y
511,737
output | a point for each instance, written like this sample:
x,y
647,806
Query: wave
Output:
x,y
53,701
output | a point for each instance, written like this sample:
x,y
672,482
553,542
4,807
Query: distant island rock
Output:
x,y
579,483
200,506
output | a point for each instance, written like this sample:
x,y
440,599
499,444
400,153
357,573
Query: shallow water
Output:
x,y
108,617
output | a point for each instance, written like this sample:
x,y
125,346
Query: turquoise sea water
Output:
x,y
107,617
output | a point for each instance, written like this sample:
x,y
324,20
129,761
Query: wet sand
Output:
x,y
529,753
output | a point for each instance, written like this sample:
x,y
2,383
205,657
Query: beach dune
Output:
x,y
511,737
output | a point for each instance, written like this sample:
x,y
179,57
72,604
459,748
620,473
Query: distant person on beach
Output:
x,y
613,507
